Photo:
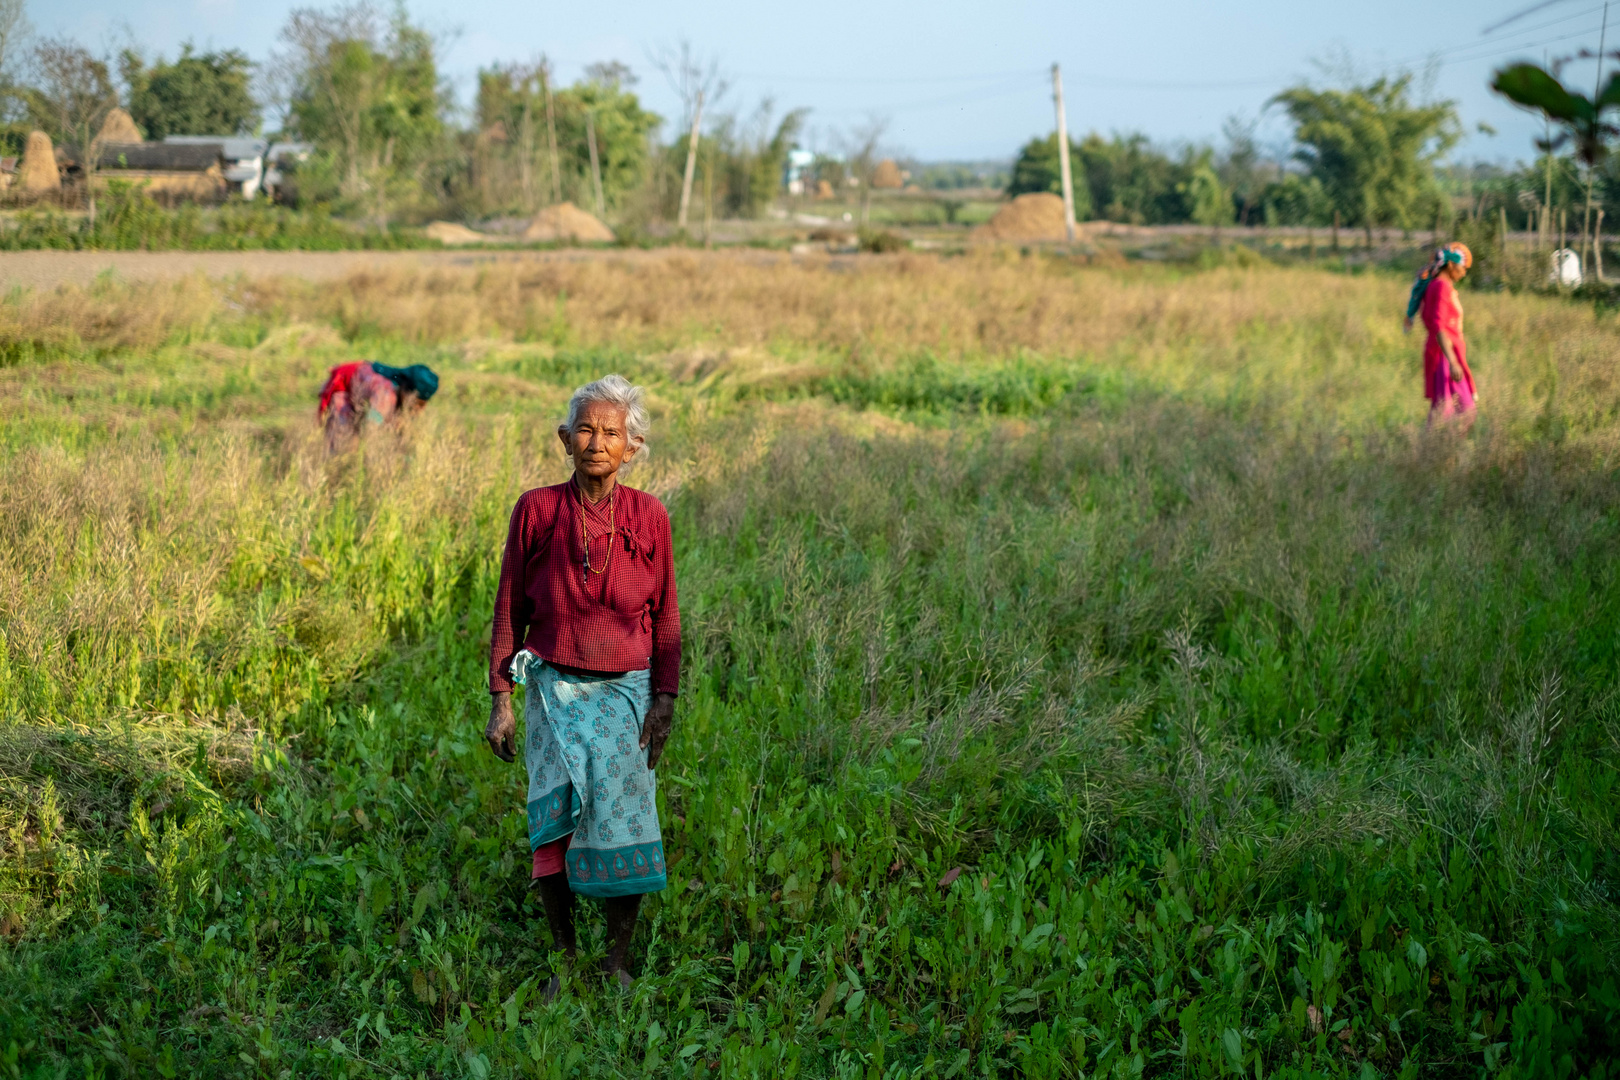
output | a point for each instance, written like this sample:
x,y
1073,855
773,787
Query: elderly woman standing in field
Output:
x,y
1447,381
588,586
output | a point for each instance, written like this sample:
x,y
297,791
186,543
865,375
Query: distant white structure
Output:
x,y
793,173
281,160
1566,269
251,166
241,159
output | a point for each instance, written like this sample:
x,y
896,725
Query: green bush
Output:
x,y
882,241
1038,718
128,219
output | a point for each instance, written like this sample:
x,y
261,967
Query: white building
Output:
x,y
793,174
242,159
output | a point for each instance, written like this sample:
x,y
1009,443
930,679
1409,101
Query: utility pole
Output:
x,y
691,161
1586,217
1063,154
596,165
1546,214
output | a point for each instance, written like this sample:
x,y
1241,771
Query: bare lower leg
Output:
x,y
621,926
558,900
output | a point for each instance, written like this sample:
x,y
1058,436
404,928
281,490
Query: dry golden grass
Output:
x,y
764,321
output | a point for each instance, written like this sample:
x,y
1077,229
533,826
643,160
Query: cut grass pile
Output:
x,y
1087,672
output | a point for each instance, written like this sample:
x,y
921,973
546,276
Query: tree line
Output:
x,y
1366,156
363,86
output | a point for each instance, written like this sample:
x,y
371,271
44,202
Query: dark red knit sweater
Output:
x,y
626,619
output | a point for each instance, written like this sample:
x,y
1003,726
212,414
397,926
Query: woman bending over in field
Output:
x,y
588,586
1447,381
375,392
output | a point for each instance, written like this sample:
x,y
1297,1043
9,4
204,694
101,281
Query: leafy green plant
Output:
x,y
882,241
1583,121
1041,715
131,220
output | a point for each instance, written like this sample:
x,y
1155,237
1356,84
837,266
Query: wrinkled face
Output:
x,y
600,442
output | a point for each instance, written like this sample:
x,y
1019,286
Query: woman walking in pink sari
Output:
x,y
1447,381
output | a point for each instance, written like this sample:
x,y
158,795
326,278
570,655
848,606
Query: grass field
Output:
x,y
1089,671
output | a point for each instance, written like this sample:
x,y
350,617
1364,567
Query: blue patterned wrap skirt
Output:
x,y
588,776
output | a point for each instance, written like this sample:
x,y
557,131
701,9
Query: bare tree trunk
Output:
x,y
691,162
596,165
92,159
385,163
551,135
1597,246
526,175
708,199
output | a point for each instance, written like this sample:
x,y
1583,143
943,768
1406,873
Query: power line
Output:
x,y
1531,10
987,76
1491,52
1137,84
1486,39
984,94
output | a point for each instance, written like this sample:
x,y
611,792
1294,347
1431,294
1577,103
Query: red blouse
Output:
x,y
623,619
338,381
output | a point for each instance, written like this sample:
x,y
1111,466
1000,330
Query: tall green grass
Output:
x,y
1042,715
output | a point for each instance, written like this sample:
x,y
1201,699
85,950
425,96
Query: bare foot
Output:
x,y
553,989
622,976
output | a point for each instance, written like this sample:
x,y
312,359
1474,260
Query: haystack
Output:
x,y
37,171
119,127
450,234
565,221
887,175
1035,216
824,190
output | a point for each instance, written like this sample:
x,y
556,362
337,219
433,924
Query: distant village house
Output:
x,y
181,168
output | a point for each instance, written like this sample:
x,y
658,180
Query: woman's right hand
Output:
x,y
501,732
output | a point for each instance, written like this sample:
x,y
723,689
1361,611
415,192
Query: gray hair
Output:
x,y
618,391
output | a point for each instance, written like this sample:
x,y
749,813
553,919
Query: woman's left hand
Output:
x,y
655,729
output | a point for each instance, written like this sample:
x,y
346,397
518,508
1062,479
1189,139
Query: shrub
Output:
x,y
882,241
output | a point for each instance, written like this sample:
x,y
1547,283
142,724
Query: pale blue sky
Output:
x,y
956,80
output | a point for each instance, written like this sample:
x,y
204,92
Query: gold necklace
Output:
x,y
585,532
